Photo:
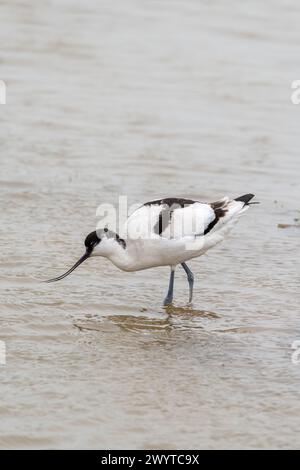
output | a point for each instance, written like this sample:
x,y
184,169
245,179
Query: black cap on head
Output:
x,y
91,241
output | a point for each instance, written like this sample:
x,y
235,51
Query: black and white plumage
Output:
x,y
166,232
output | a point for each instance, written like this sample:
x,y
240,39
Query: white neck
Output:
x,y
116,252
120,257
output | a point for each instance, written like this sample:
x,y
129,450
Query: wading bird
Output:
x,y
165,232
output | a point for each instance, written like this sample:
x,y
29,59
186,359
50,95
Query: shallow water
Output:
x,y
148,99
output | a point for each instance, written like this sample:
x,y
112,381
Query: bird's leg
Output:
x,y
169,297
190,278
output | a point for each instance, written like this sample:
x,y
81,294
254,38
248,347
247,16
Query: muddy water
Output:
x,y
148,99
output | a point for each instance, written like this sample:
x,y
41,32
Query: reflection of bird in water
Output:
x,y
165,232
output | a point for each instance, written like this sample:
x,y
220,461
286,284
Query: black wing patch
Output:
x,y
165,216
220,209
171,201
164,219
169,205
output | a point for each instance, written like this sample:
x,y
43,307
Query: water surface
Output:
x,y
148,99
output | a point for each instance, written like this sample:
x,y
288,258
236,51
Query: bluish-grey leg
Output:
x,y
169,298
190,278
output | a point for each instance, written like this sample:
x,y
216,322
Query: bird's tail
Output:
x,y
230,210
240,204
245,199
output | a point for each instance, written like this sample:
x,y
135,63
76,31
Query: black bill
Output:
x,y
81,260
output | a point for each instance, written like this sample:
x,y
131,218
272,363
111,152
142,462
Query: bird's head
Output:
x,y
98,243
